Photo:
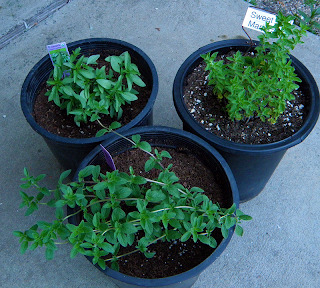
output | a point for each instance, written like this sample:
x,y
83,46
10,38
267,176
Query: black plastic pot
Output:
x,y
71,151
252,165
173,138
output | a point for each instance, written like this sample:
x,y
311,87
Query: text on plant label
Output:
x,y
257,18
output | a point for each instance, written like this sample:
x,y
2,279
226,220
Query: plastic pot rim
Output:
x,y
144,112
240,148
220,248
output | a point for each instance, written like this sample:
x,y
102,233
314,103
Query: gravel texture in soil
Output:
x,y
288,7
210,112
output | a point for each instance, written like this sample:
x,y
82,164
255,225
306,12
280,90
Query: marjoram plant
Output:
x,y
259,84
87,92
161,209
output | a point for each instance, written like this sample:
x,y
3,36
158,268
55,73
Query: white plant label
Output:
x,y
55,49
256,18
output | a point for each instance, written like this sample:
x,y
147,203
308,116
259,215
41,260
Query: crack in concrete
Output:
x,y
31,22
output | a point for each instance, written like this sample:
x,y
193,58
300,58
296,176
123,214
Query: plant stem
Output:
x,y
163,184
137,250
128,139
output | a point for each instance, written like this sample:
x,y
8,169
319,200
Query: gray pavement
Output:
x,y
280,247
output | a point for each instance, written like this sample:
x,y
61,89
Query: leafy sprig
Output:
x,y
161,209
259,85
310,19
86,92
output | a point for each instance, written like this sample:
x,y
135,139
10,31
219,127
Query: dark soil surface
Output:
x,y
207,110
56,121
175,257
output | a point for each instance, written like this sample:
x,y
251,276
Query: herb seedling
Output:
x,y
161,208
311,19
259,85
86,92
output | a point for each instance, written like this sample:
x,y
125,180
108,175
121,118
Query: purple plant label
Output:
x,y
108,158
56,49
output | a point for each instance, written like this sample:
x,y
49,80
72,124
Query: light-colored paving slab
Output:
x,y
280,247
17,17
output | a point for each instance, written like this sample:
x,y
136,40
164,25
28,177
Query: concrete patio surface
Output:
x,y
280,247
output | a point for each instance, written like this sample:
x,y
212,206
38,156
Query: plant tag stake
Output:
x,y
108,158
256,18
55,49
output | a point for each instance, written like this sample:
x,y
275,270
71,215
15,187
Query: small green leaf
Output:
x,y
129,96
245,217
114,61
63,232
74,252
224,231
232,209
147,225
185,236
155,196
59,213
101,132
124,192
49,254
144,146
129,228
165,154
33,246
17,233
102,264
101,186
93,59
230,222
106,84
136,138
150,164
196,189
173,235
107,247
137,80
43,225
68,90
115,266
213,243
31,209
175,223
204,239
117,214
87,171
149,254
60,203
239,230
114,125
24,247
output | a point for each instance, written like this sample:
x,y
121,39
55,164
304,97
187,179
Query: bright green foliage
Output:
x,y
259,86
252,2
164,210
312,19
86,92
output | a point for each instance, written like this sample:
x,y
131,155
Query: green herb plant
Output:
x,y
310,19
88,92
260,84
161,209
